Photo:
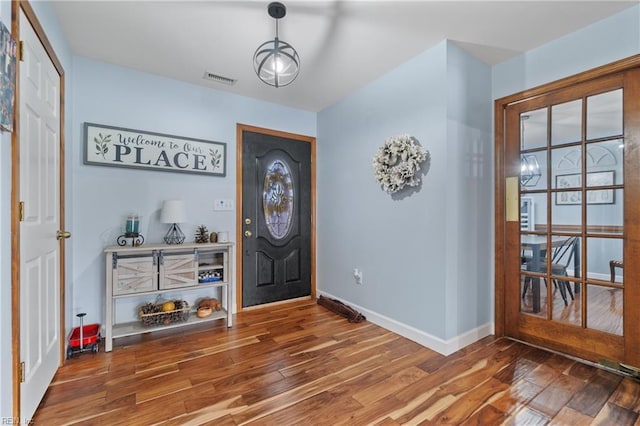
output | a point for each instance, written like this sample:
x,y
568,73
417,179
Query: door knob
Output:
x,y
62,234
247,233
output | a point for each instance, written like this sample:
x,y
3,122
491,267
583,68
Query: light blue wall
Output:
x,y
469,188
103,196
424,258
606,41
396,243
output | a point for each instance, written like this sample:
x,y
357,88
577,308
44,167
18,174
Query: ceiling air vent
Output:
x,y
219,78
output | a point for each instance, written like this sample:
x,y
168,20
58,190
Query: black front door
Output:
x,y
276,218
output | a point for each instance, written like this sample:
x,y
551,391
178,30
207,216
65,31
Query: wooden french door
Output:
x,y
275,232
568,202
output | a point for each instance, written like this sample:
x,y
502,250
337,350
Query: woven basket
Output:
x,y
151,314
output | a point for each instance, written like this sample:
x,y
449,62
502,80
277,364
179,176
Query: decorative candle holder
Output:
x,y
133,224
131,232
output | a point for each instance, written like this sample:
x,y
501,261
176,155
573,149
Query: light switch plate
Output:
x,y
223,204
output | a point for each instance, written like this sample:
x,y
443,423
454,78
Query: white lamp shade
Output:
x,y
173,212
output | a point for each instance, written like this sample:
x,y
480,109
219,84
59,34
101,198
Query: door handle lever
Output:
x,y
62,234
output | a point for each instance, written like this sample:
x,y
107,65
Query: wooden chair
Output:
x,y
613,264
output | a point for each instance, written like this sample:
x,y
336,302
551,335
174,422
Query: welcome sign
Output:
x,y
118,147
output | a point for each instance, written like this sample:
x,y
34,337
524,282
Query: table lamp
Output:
x,y
173,213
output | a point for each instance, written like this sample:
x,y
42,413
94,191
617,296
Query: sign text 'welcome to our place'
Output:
x,y
119,147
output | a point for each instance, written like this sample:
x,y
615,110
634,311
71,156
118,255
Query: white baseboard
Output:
x,y
444,347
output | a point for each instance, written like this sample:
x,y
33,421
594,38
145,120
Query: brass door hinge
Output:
x,y
21,213
21,51
22,372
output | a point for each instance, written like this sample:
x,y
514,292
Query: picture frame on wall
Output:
x,y
594,196
8,51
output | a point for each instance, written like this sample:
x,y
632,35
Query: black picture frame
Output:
x,y
594,180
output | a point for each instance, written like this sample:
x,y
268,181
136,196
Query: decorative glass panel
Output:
x,y
535,213
533,253
533,129
604,309
533,298
278,199
606,156
527,214
605,209
568,198
566,122
567,302
600,253
566,210
533,171
566,161
604,114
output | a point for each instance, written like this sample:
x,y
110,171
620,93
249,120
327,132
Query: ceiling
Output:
x,y
343,45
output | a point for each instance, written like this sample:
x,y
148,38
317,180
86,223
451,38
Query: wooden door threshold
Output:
x,y
603,364
280,302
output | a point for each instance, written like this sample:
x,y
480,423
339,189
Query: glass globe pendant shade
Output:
x,y
276,63
529,170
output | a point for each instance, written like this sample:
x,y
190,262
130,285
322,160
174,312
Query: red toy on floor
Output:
x,y
84,338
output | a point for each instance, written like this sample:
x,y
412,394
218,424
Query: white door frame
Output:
x,y
29,13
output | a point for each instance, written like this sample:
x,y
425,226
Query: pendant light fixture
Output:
x,y
276,62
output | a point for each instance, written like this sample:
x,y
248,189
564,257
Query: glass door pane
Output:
x,y
533,131
604,305
566,122
604,114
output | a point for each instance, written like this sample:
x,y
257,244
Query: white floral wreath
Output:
x,y
397,163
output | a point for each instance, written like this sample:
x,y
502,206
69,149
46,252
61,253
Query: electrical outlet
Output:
x,y
223,204
357,275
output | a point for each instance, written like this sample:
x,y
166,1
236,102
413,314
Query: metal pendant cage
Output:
x,y
276,63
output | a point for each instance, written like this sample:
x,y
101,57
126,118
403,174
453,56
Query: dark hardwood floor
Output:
x,y
302,364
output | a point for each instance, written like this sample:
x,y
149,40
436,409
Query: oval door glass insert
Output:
x,y
277,199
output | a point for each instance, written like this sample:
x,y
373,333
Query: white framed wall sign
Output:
x,y
120,147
